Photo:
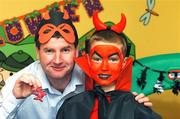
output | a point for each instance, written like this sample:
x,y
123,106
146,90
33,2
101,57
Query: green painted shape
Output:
x,y
30,49
165,62
17,61
27,40
2,33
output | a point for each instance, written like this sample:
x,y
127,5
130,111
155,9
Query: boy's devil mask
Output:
x,y
55,21
105,64
103,71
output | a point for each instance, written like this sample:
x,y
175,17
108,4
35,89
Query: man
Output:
x,y
107,65
55,73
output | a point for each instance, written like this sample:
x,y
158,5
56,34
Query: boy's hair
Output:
x,y
56,18
108,36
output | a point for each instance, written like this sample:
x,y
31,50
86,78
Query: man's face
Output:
x,y
57,58
105,62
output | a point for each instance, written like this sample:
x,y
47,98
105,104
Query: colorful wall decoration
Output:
x,y
152,29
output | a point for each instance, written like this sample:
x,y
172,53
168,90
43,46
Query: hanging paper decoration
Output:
x,y
70,8
74,2
92,5
13,30
145,18
54,6
32,20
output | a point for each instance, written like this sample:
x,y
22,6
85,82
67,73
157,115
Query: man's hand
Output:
x,y
141,98
25,85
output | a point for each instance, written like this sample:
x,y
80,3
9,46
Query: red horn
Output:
x,y
99,25
66,15
121,25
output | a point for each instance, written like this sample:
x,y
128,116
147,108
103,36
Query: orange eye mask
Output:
x,y
48,30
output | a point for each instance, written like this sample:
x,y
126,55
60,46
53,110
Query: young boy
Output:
x,y
109,71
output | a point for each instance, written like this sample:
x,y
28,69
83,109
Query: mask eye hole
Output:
x,y
66,31
47,31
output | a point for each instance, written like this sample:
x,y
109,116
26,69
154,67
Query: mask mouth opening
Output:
x,y
104,76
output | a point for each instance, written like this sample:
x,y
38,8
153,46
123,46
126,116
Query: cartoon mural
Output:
x,y
157,73
13,63
154,45
2,59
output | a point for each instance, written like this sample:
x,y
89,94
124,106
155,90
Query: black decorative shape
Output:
x,y
176,87
2,83
161,77
158,87
142,80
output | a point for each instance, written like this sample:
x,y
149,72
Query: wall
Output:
x,y
160,36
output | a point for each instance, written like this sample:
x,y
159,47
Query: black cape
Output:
x,y
122,106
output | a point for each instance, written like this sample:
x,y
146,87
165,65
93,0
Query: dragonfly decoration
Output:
x,y
145,18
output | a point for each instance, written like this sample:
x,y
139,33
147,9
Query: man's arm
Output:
x,y
13,93
25,85
8,102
